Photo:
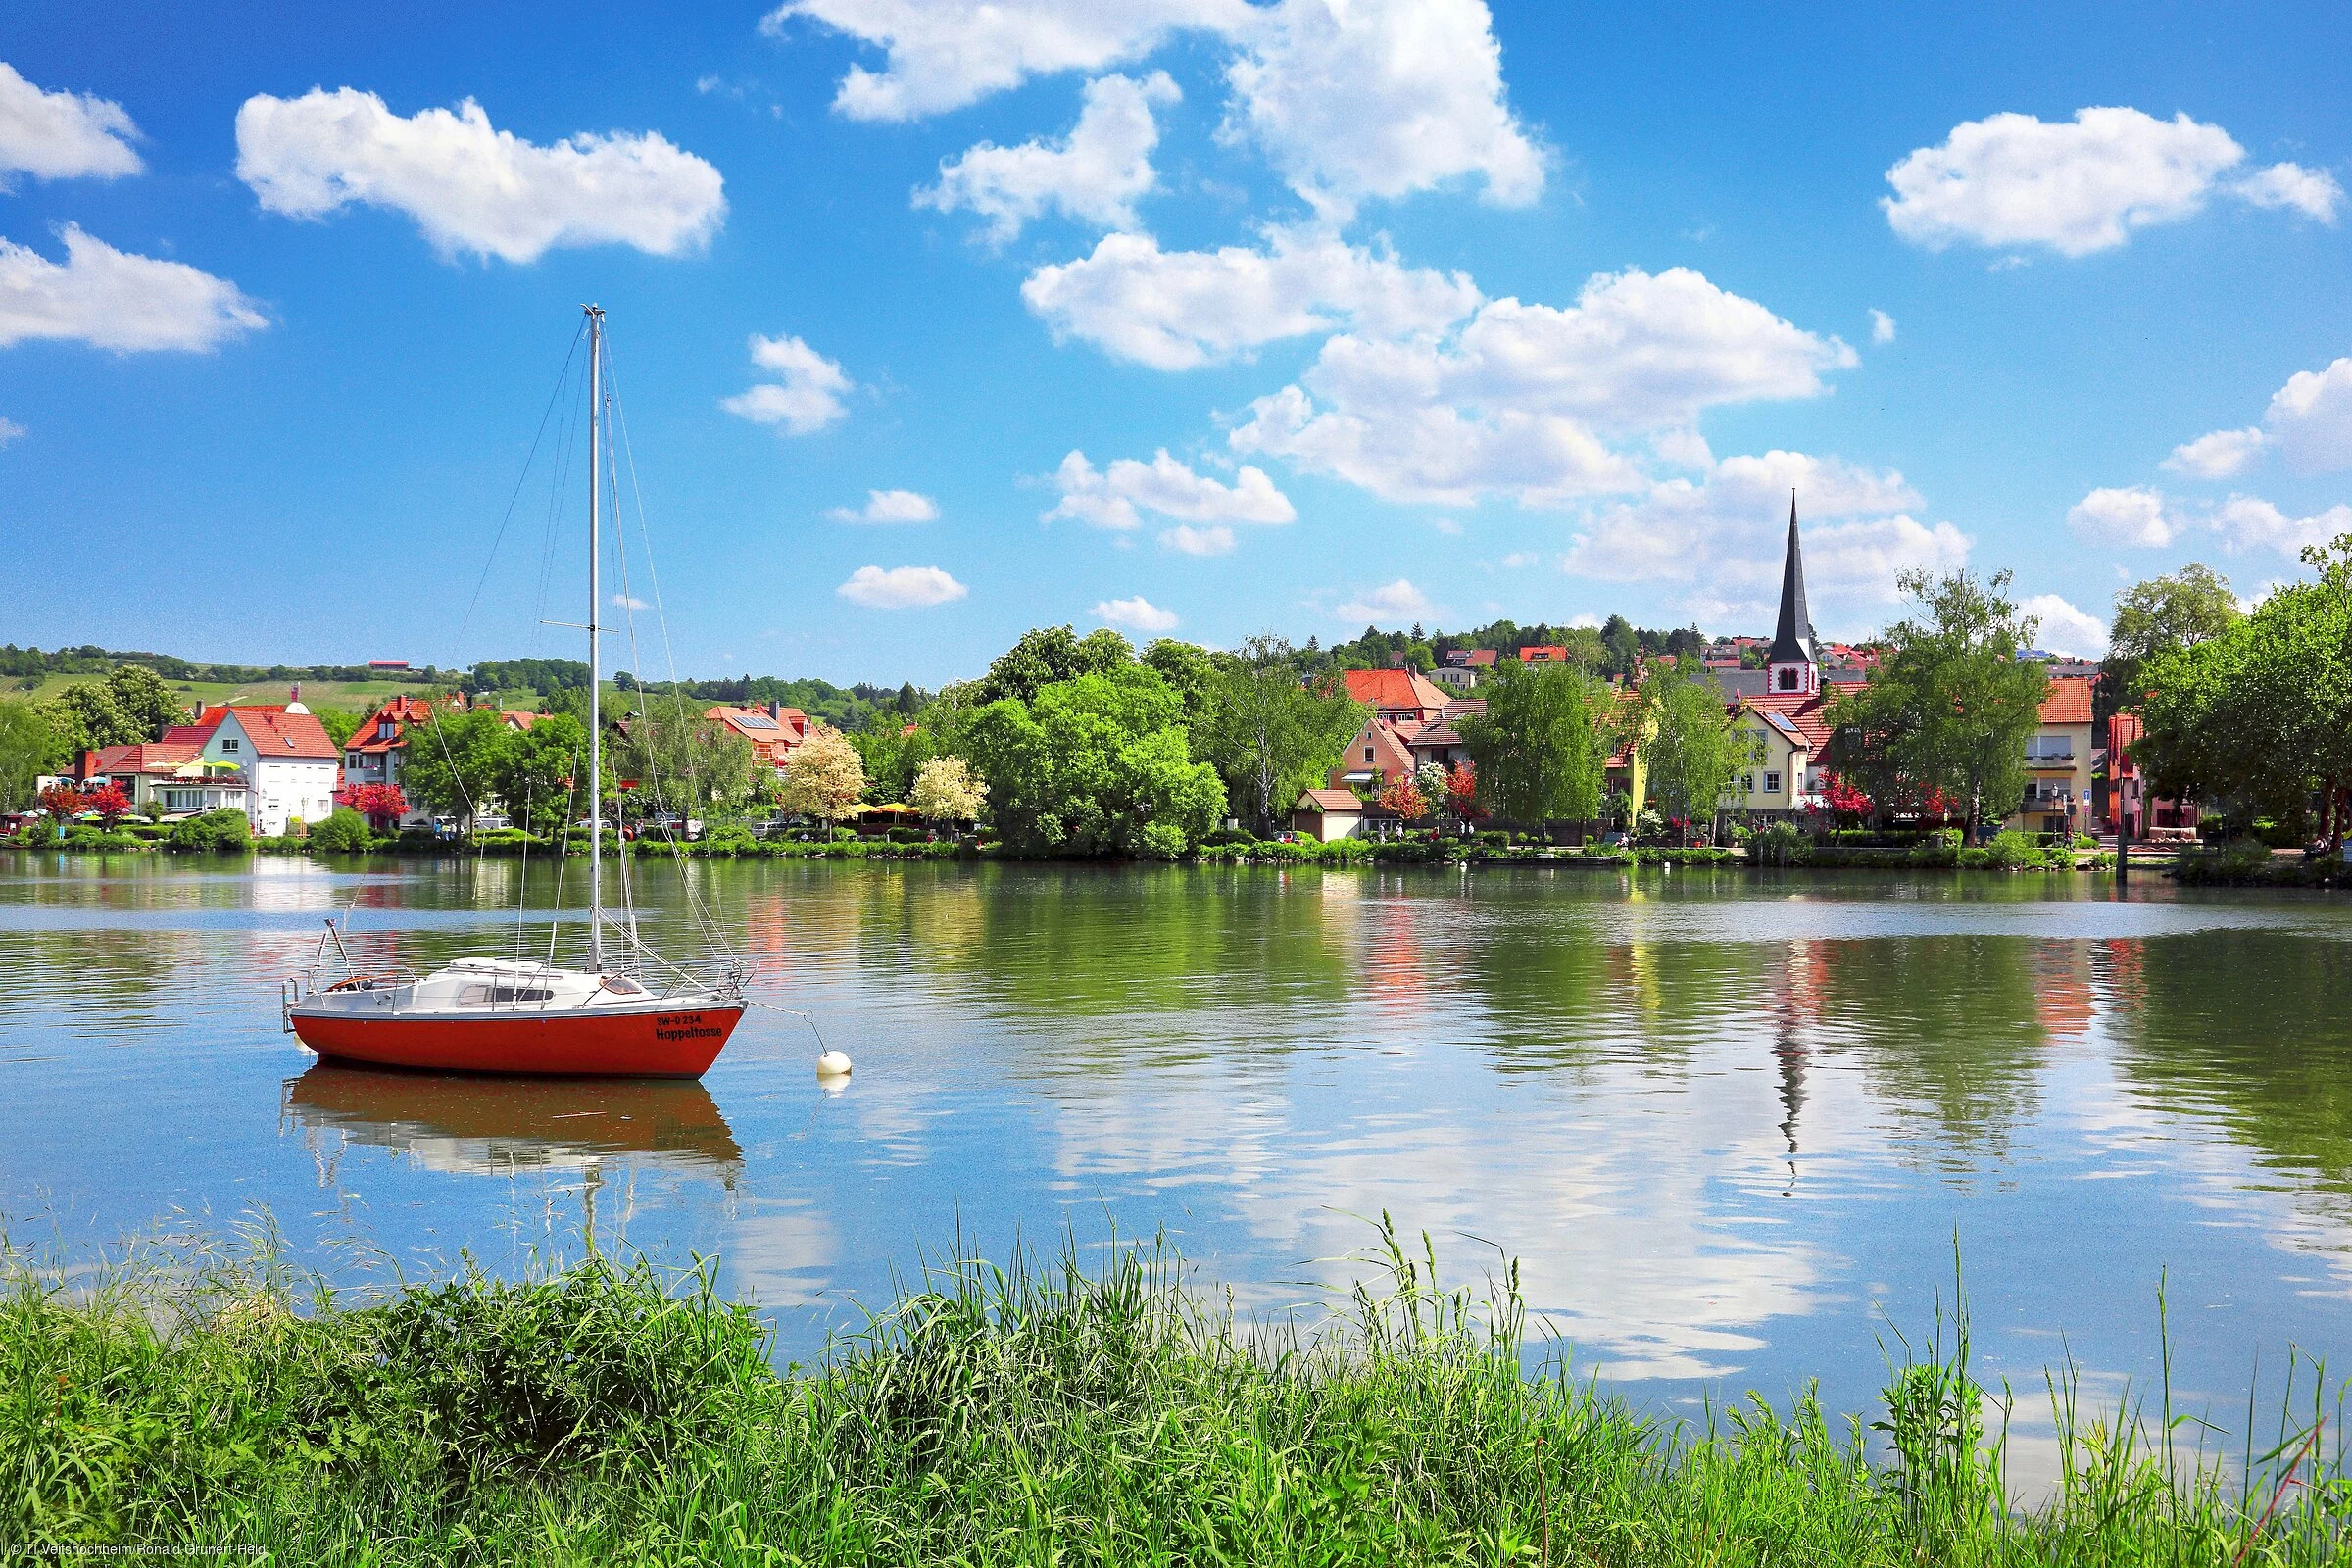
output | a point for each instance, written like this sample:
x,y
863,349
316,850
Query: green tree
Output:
x,y
539,774
1267,732
146,704
28,748
1949,705
682,761
2262,713
892,754
1100,765
1542,747
2177,611
1689,742
1188,668
340,724
344,832
450,764
1047,654
87,718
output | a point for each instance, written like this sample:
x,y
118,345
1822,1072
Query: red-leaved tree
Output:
x,y
1461,792
1401,796
62,802
109,802
382,805
1846,801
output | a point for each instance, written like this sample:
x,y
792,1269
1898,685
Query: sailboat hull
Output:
x,y
670,1041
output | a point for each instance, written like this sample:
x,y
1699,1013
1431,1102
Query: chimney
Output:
x,y
775,709
89,764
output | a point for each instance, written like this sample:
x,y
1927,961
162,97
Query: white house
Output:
x,y
291,765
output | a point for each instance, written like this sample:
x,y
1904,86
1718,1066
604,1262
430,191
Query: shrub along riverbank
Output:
x,y
2008,851
608,1414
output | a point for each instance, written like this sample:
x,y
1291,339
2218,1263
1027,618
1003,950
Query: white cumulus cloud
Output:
x,y
901,588
1094,175
1882,327
805,397
945,54
2082,185
1726,534
1110,498
2313,192
60,135
889,506
10,430
2310,419
1187,540
2217,454
1515,403
2134,516
2064,629
472,188
2249,522
1396,601
2309,422
1177,309
1135,614
1350,99
115,300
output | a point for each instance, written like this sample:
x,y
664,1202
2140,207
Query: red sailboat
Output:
x,y
635,1017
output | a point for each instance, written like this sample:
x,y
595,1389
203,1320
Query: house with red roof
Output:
x,y
1396,694
379,746
170,776
2059,763
775,731
290,767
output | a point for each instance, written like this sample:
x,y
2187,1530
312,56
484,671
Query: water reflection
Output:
x,y
1731,1125
483,1126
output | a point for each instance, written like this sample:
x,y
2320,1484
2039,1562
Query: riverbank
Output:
x,y
1339,852
609,1413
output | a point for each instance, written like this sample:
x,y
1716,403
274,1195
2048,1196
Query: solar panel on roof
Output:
x,y
755,721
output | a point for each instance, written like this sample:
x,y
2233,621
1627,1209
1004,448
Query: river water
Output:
x,y
1731,1124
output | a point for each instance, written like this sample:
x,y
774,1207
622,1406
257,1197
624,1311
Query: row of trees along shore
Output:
x,y
1083,745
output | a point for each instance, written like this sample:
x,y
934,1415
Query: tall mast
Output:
x,y
596,726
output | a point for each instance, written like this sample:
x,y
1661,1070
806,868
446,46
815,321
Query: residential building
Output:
x,y
291,769
775,731
1455,678
1327,814
2059,761
378,748
173,778
1477,660
2122,799
1380,754
1396,694
1544,654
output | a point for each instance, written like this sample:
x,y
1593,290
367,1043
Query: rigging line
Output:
x,y
669,833
519,480
712,934
558,479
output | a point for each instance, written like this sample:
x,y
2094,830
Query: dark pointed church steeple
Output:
x,y
1791,663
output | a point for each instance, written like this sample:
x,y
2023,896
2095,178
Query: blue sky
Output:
x,y
1438,313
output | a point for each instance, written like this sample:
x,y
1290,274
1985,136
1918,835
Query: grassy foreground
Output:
x,y
613,1414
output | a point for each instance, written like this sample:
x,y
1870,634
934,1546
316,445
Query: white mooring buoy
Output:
x,y
833,1064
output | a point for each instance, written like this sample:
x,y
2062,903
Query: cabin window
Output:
x,y
620,985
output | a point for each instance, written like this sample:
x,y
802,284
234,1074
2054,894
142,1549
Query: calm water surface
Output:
x,y
1731,1125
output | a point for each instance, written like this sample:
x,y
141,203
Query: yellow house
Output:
x,y
2058,769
